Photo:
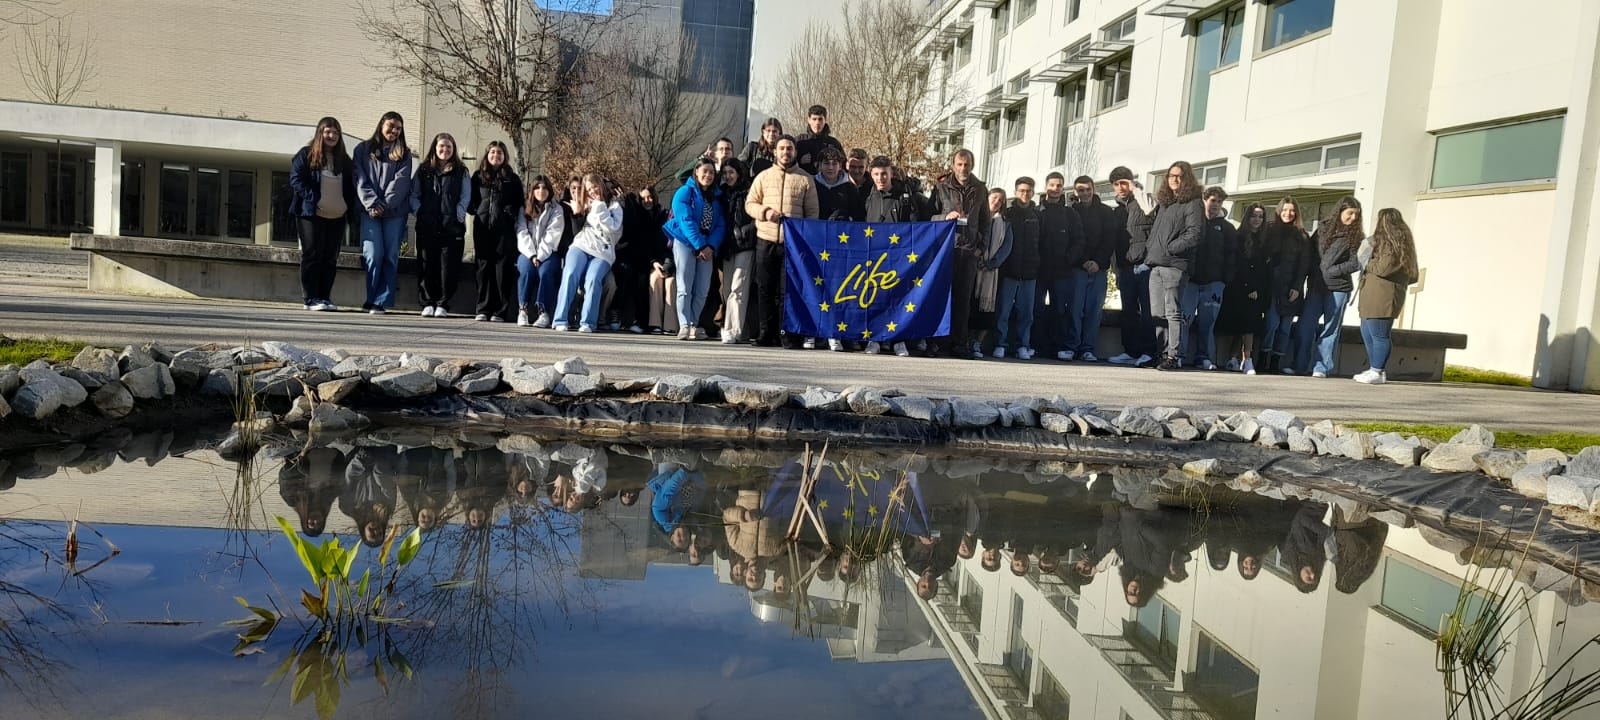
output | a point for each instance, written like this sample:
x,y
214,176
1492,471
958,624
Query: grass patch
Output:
x,y
21,351
1462,374
1567,442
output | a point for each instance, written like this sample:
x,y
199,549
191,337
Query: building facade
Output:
x,y
1488,154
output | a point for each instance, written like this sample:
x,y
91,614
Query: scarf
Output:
x,y
706,212
988,283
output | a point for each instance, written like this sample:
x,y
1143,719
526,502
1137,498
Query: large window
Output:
x,y
1502,154
1051,700
991,134
1224,683
1290,20
964,49
1332,157
283,219
1074,9
1018,656
1155,629
1423,599
132,201
972,600
1213,173
1072,94
14,188
1016,123
1002,25
1121,30
1216,45
1115,77
1025,10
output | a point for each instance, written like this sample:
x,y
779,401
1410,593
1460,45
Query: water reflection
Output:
x,y
708,580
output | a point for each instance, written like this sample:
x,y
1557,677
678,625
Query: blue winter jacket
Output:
x,y
684,226
307,187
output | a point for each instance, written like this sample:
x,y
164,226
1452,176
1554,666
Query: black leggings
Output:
x,y
319,255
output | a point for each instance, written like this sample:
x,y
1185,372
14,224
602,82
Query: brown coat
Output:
x,y
1383,286
790,192
752,539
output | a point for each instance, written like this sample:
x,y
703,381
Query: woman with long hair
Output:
x,y
1327,295
1289,260
594,248
697,228
441,193
1244,300
1389,265
737,254
757,155
382,169
1175,231
497,199
325,202
539,229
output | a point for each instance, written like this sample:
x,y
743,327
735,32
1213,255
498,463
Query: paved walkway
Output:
x,y
57,308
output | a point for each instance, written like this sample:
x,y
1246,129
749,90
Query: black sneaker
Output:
x,y
1169,363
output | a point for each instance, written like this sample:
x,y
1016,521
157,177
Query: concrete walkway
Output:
x,y
55,308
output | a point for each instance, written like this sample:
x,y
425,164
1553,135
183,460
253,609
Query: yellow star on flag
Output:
x,y
866,334
893,327
872,510
911,307
817,280
894,239
824,307
868,232
919,282
843,327
912,257
823,256
849,513
844,238
823,505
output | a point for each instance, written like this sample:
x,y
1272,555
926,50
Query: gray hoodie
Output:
x,y
381,182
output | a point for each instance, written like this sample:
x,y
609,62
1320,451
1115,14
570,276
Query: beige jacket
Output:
x,y
752,539
790,192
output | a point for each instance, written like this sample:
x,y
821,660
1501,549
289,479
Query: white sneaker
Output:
x,y
480,317
496,318
1123,359
427,311
635,329
809,344
1065,355
1318,374
543,322
325,306
586,328
313,304
999,352
1088,357
376,311
836,345
522,319
438,312
1024,353
685,333
873,347
1207,365
901,350
1372,377
1249,367
562,328
728,338
1145,361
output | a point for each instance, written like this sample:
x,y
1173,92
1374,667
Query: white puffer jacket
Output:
x,y
601,231
538,238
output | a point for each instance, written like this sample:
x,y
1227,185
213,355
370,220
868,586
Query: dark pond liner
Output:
x,y
1465,504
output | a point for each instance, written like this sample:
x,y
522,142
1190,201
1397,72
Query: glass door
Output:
x,y
132,197
207,203
14,188
175,199
241,204
68,192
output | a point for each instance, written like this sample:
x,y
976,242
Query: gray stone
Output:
x,y
1058,423
450,372
1548,454
1183,429
572,366
523,444
1036,404
190,367
90,381
1402,454
277,382
220,383
1269,436
758,395
10,380
44,391
1327,428
866,401
1099,422
245,356
328,417
1392,517
1082,424
1167,414
364,366
1023,416
916,408
5,409
1453,457
972,414
1585,463
676,388
1139,421
132,358
1571,490
299,413
815,398
151,382
1280,420
510,362
1202,468
335,391
406,383
482,381
1323,443
1356,446
1006,420
530,380
711,388
100,361
336,354
113,400
40,364
1085,408
1300,441
1240,428
1388,438
1500,464
943,413
1475,435
576,385
1059,404
630,385
1533,478
286,353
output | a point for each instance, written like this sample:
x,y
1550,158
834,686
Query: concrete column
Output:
x,y
263,200
1568,357
108,187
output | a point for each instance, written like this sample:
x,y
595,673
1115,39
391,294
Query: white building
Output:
x,y
1469,116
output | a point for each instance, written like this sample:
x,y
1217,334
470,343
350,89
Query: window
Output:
x,y
1216,45
991,134
132,201
1072,95
1421,599
1215,173
1224,683
1290,20
964,49
14,188
1155,630
1002,17
1018,656
1025,9
972,601
1074,9
1121,30
1051,701
1114,76
1016,122
1305,161
1502,154
283,220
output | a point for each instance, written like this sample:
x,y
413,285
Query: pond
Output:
x,y
592,578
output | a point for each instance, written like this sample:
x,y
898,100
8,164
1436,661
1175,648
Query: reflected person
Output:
x,y
309,483
369,493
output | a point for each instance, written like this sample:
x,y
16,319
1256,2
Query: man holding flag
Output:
x,y
890,202
962,197
778,193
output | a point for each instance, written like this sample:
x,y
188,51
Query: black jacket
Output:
x,y
439,196
893,205
741,227
1216,259
1175,233
1024,261
754,159
642,241
1290,255
1061,241
495,204
1337,262
808,148
840,202
971,198
1100,231
1133,233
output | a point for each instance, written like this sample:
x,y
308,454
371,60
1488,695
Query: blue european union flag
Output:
x,y
884,282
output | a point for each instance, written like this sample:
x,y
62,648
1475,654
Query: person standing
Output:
x,y
497,197
887,202
1061,256
1389,266
642,246
441,195
818,137
1214,266
540,226
1176,227
697,228
962,197
1338,238
1086,291
1019,275
837,198
758,154
855,165
1289,259
986,286
325,203
738,254
594,248
780,191
1133,275
382,169
1245,298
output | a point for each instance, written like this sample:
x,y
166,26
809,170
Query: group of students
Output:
x,y
1029,272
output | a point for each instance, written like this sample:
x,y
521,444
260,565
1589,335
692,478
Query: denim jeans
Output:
x,y
1086,300
380,257
1201,304
1050,318
590,271
1138,331
1014,294
535,284
1317,337
694,281
1275,336
1375,335
1166,295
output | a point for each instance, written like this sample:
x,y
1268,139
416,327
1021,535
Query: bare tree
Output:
x,y
512,63
55,62
863,70
27,12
